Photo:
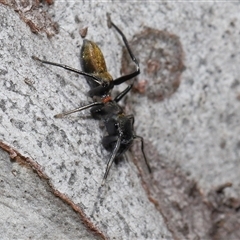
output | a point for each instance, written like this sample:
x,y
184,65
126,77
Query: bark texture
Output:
x,y
51,169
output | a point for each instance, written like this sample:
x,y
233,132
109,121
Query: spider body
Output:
x,y
118,126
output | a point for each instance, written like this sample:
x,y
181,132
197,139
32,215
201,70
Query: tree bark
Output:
x,y
51,169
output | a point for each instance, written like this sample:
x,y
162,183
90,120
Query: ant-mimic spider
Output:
x,y
119,126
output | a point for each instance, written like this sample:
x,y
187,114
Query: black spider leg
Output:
x,y
142,145
131,75
117,98
110,161
142,148
60,115
95,79
123,93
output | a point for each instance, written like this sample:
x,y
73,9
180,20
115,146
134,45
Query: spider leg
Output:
x,y
60,115
123,93
110,161
131,75
95,79
142,148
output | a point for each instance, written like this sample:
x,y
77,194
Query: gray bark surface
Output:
x,y
192,137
